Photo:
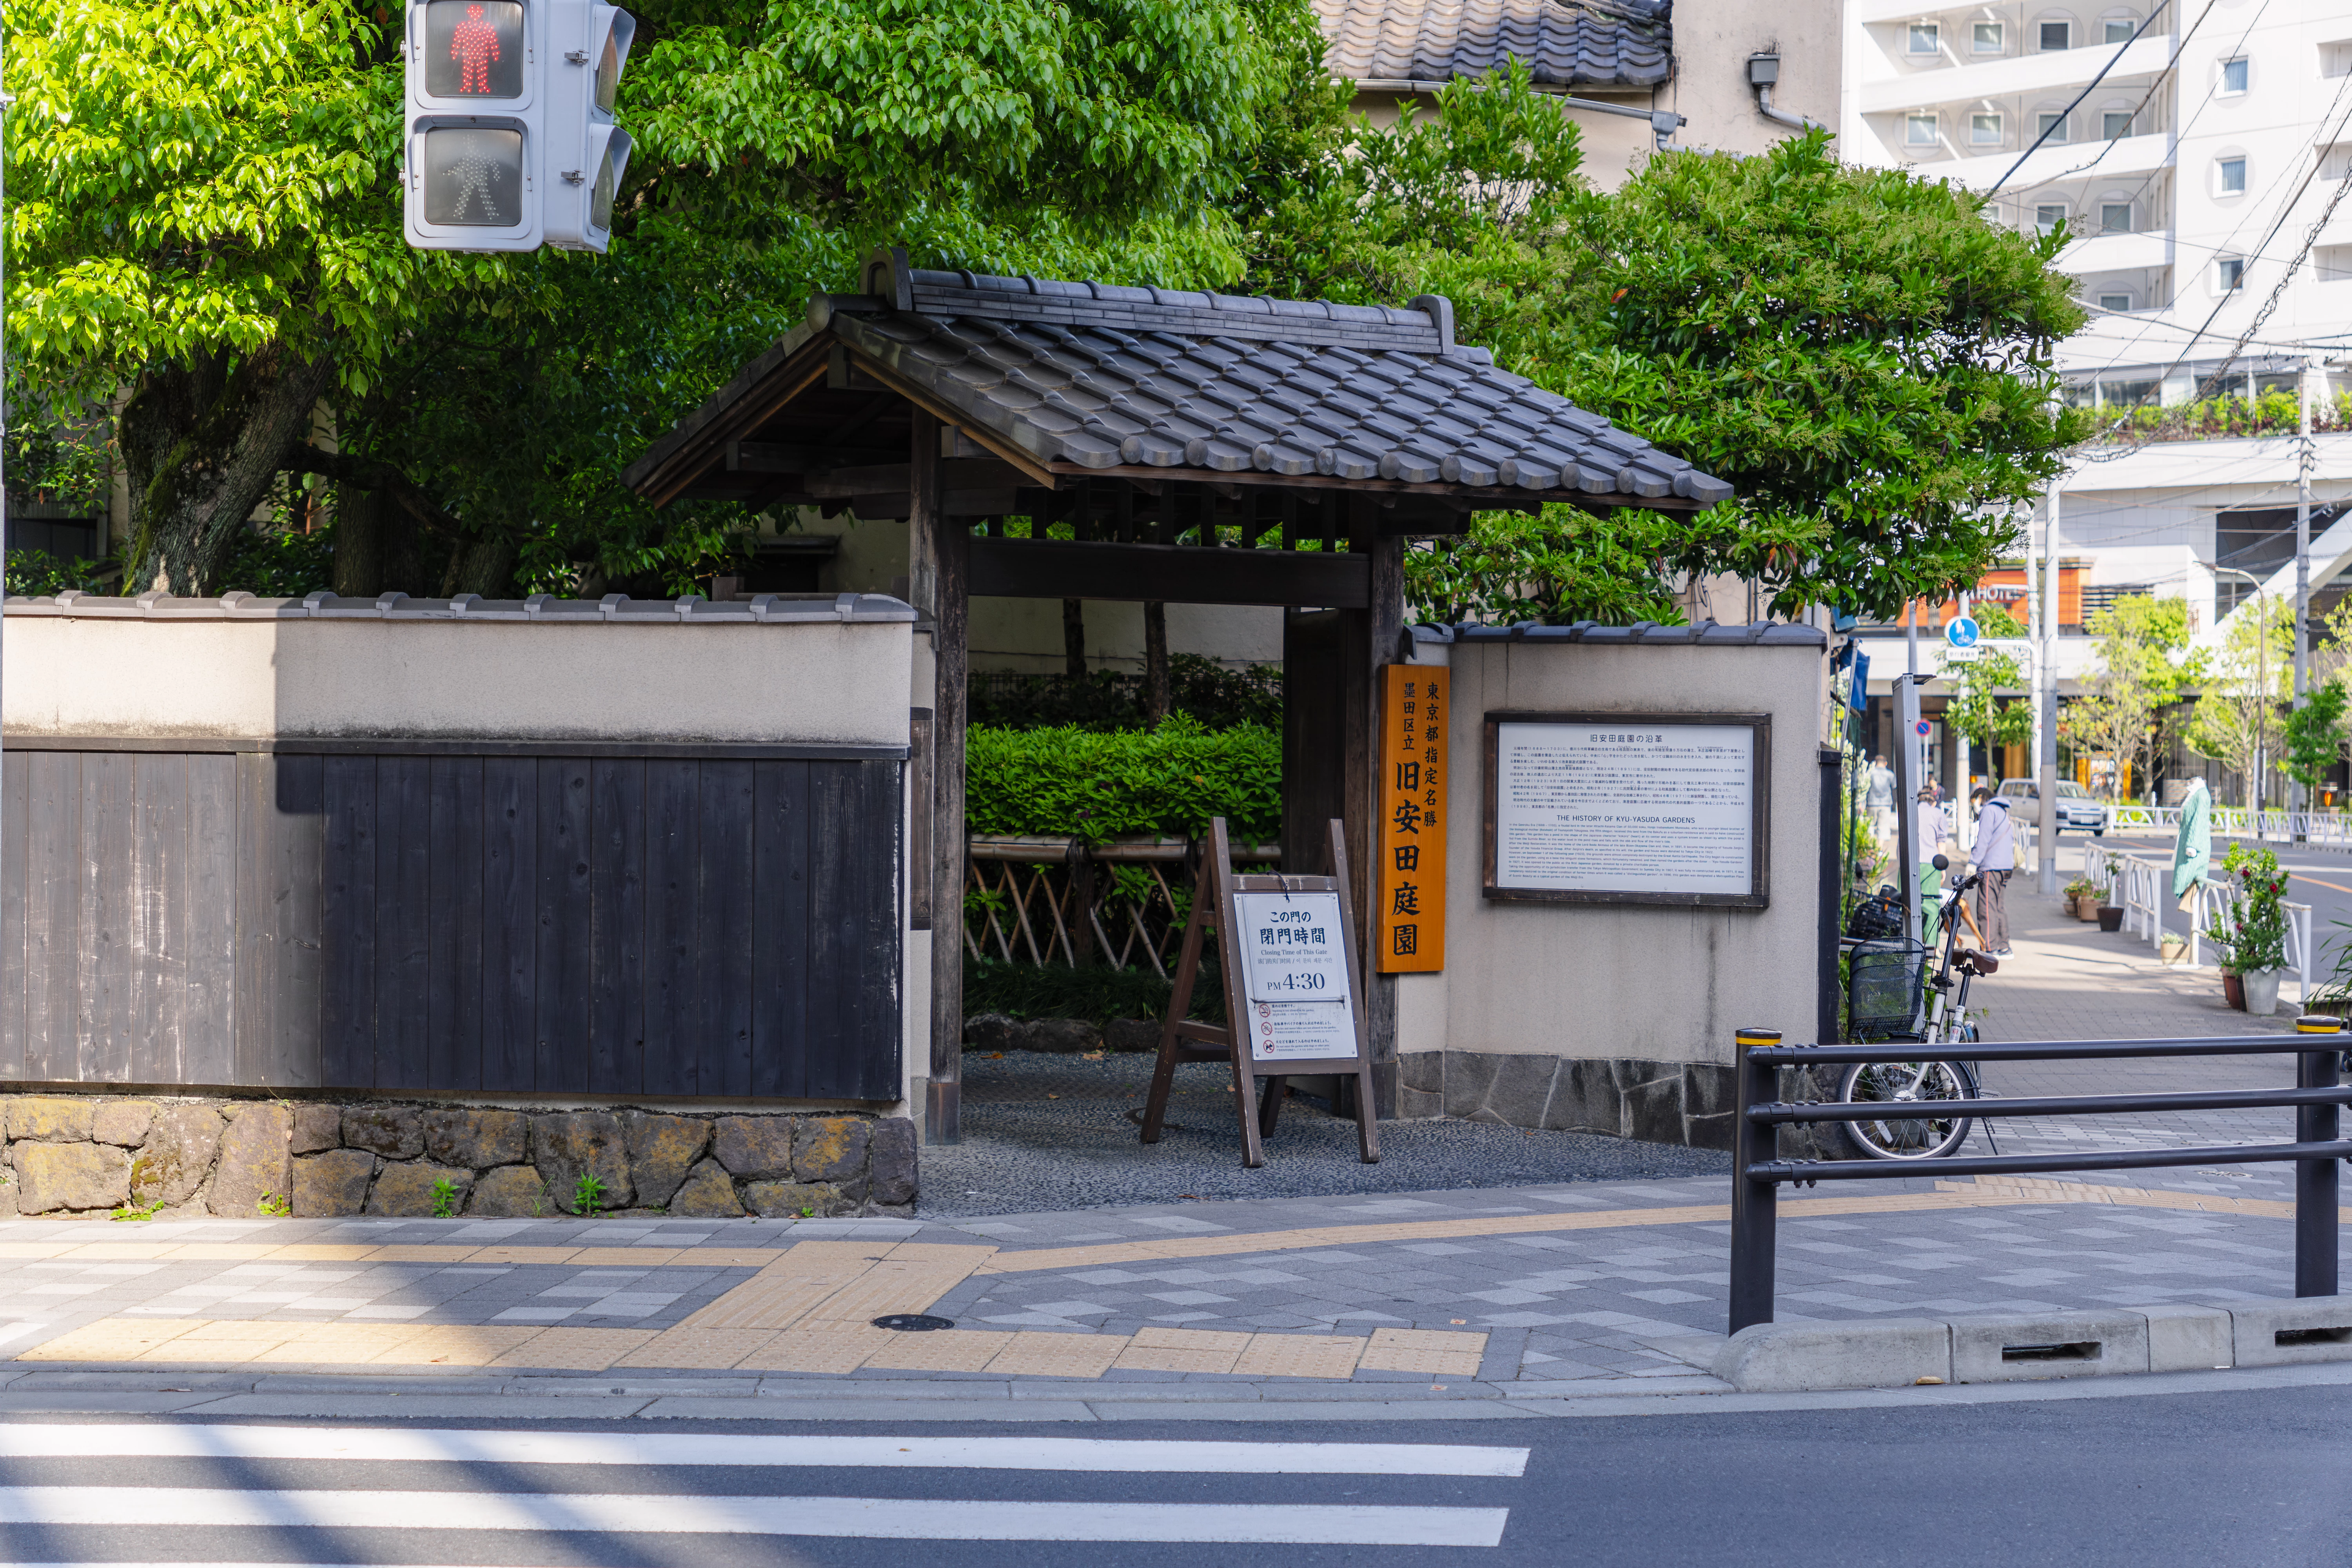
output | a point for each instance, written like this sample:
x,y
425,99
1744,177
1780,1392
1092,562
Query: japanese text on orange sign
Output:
x,y
1409,930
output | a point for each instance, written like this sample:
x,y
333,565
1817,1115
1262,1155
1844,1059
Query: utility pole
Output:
x,y
2299,798
2046,757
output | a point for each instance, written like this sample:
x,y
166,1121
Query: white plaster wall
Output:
x,y
1653,982
822,683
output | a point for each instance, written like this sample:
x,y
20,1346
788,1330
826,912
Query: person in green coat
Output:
x,y
2192,848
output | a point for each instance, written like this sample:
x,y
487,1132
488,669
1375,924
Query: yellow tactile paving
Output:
x,y
829,1350
109,1339
216,1252
34,1248
1057,1355
1424,1350
942,1349
323,1253
336,1344
1182,1350
421,1254
1299,1355
730,1256
886,1288
575,1349
118,1251
810,1256
525,1255
2034,1190
772,1301
699,1350
627,1256
458,1345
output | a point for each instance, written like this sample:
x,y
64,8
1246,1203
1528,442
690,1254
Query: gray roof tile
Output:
x,y
1099,375
1595,43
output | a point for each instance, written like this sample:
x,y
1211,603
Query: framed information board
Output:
x,y
1628,808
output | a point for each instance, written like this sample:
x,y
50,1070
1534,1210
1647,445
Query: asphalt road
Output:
x,y
2245,1478
2322,878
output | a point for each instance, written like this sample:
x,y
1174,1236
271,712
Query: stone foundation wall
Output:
x,y
1659,1102
69,1155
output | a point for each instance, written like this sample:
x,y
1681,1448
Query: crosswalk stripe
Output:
x,y
426,1446
899,1518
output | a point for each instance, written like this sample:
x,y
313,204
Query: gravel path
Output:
x,y
1045,1131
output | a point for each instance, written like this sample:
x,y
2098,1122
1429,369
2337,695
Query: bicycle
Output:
x,y
1943,1016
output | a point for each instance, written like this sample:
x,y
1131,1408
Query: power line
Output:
x,y
2065,114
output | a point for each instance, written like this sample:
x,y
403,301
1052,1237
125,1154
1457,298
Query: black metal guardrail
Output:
x,y
1758,1171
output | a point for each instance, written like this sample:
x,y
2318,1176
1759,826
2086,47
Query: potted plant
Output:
x,y
2111,915
2083,898
2251,933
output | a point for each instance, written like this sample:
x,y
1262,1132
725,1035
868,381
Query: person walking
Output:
x,y
1878,799
1929,826
1995,858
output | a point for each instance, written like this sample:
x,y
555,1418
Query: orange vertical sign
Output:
x,y
1409,872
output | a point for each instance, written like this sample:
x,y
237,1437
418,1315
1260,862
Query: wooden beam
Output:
x,y
939,570
1186,575
776,458
955,473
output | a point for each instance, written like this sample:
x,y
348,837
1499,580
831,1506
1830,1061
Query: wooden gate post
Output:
x,y
940,576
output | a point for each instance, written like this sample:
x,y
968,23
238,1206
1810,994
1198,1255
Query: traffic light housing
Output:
x,y
510,142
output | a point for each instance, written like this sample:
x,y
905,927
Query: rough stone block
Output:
x,y
394,1132
52,1176
575,1143
893,1161
1882,1352
407,1190
707,1192
991,1031
1653,1101
254,1160
661,1150
1132,1034
2279,1334
1423,1072
510,1192
331,1184
317,1127
2188,1339
753,1148
1066,1036
1585,1097
830,1148
796,1200
172,1165
122,1122
2030,1347
477,1140
50,1119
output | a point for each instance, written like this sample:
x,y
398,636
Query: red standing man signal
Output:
x,y
474,43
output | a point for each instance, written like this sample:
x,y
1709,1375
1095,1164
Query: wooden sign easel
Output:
x,y
1184,1039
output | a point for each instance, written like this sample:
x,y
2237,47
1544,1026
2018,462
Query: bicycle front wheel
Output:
x,y
1906,1138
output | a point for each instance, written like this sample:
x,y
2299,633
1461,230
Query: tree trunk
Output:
x,y
1155,661
202,440
487,567
362,518
1074,639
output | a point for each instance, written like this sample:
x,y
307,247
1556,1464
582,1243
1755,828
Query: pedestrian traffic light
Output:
x,y
511,141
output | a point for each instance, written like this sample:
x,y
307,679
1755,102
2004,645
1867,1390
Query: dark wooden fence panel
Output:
x,y
715,926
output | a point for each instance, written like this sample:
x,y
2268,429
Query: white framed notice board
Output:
x,y
1628,808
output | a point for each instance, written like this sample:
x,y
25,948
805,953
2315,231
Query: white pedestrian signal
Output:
x,y
510,142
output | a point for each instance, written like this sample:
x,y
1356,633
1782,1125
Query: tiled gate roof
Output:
x,y
1605,43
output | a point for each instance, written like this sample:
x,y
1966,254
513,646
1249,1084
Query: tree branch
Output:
x,y
370,474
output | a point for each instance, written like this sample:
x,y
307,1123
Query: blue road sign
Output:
x,y
1961,632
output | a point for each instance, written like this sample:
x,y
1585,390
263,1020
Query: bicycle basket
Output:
x,y
1884,982
1876,917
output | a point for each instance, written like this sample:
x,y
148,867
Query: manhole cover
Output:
x,y
913,1323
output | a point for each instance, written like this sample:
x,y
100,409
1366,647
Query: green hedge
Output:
x,y
1098,994
1100,786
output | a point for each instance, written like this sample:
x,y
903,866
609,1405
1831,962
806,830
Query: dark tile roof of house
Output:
x,y
1598,42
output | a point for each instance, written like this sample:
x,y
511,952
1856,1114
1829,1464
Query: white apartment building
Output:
x,y
2191,148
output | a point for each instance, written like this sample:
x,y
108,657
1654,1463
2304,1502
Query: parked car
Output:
x,y
2077,809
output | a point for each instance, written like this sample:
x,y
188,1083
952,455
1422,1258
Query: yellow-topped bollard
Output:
x,y
2319,1023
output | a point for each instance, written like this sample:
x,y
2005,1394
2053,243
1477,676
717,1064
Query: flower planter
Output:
x,y
2261,987
2233,986
2111,917
2173,948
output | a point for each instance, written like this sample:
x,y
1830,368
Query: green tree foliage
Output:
x,y
2237,721
1859,352
1099,786
2145,666
208,214
2315,736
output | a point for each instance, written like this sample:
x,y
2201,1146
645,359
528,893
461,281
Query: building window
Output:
x,y
2232,172
1918,130
2053,127
2120,29
2233,76
2334,263
1984,130
2114,217
2057,35
1985,40
1922,37
2046,219
2229,272
2115,302
2115,124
